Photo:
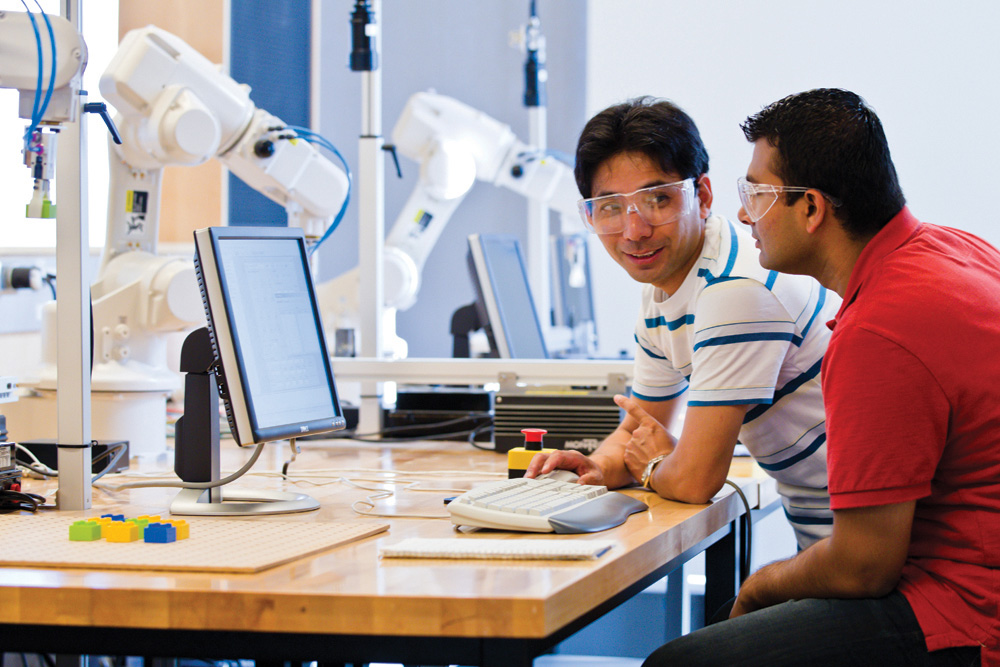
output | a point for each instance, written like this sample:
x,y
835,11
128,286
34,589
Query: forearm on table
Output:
x,y
698,465
679,478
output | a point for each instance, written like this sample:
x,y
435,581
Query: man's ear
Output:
x,y
704,191
818,210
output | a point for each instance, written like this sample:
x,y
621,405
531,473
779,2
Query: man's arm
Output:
x,y
862,558
696,466
606,466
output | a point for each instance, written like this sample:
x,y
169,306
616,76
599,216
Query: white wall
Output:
x,y
931,71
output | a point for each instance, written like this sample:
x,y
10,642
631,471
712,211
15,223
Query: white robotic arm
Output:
x,y
455,145
176,108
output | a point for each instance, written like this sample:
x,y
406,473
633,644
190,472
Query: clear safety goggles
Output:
x,y
658,205
758,198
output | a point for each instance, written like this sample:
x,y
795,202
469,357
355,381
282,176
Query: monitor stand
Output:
x,y
240,502
196,446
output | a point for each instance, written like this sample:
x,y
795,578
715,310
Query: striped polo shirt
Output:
x,y
736,333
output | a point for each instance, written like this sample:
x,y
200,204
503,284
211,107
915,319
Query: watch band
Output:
x,y
647,474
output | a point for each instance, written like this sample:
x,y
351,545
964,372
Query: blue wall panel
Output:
x,y
269,51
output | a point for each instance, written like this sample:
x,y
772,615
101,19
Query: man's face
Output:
x,y
660,255
778,232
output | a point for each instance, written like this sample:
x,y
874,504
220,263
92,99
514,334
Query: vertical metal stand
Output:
x,y
73,307
535,76
371,209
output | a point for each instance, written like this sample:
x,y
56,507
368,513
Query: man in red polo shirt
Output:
x,y
911,386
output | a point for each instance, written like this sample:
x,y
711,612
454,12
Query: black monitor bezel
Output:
x,y
230,372
491,310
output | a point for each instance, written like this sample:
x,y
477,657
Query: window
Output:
x,y
100,29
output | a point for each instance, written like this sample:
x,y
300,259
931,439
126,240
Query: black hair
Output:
x,y
830,139
654,127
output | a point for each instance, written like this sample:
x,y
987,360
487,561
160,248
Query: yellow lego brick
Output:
x,y
182,527
122,531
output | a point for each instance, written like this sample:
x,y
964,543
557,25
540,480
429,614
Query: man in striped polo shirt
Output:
x,y
738,346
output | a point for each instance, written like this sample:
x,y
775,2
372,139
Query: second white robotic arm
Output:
x,y
455,145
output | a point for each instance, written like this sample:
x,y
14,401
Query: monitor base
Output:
x,y
195,502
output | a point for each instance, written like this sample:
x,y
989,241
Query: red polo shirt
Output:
x,y
911,385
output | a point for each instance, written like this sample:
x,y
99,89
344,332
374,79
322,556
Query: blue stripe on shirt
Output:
x,y
656,399
809,520
654,322
743,338
733,251
789,388
792,460
819,307
643,348
745,401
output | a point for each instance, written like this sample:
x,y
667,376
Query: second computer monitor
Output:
x,y
504,300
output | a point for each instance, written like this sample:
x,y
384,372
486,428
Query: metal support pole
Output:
x,y
538,229
73,307
535,77
371,211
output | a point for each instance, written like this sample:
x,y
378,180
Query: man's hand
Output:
x,y
584,466
649,437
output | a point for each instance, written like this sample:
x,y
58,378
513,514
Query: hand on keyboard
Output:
x,y
542,506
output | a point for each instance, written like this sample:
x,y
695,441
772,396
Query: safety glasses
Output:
x,y
758,198
658,205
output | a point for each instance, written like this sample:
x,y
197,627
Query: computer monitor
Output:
x,y
572,294
503,297
268,355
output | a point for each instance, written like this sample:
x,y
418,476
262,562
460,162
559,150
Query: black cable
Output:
x,y
748,529
353,435
476,431
50,280
105,454
457,435
115,452
15,501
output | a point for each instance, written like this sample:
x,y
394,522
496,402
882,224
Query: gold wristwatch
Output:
x,y
647,474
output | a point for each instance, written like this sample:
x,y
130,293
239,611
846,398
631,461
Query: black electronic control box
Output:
x,y
101,453
10,476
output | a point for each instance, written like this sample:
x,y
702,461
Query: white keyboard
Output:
x,y
470,547
542,506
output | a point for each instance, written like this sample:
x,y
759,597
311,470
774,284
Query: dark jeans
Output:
x,y
814,633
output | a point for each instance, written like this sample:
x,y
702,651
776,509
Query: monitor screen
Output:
x,y
572,297
274,372
504,297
